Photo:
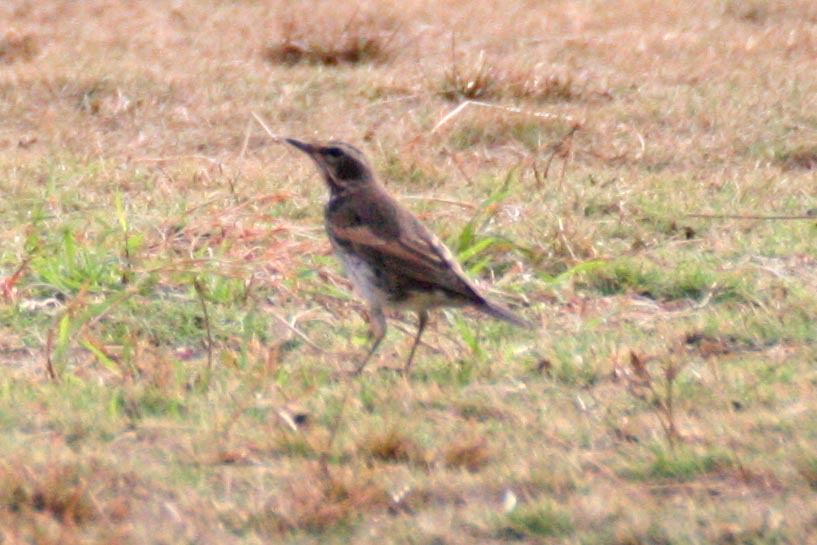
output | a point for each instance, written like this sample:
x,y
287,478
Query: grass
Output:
x,y
480,79
328,40
176,332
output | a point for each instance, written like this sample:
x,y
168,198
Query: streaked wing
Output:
x,y
421,258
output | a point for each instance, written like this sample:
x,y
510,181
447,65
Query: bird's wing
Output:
x,y
392,240
448,274
395,239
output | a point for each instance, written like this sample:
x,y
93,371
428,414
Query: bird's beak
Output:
x,y
313,152
309,149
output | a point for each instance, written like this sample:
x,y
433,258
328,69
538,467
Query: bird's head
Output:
x,y
344,167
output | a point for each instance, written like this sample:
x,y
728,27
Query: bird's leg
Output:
x,y
423,315
377,324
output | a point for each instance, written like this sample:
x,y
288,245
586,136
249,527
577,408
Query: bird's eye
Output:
x,y
333,152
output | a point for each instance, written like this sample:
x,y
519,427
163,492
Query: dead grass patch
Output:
x,y
332,40
60,491
755,11
717,346
471,453
482,79
316,503
64,497
16,47
392,446
798,157
759,12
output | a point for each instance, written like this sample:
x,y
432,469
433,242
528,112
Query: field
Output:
x,y
637,178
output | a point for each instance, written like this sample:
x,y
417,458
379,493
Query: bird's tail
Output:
x,y
498,311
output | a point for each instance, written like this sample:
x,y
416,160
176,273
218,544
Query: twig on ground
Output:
x,y
512,109
266,128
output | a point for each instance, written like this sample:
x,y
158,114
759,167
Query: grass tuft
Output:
x,y
471,453
479,79
391,446
63,496
313,503
16,47
60,491
358,40
753,11
475,81
800,157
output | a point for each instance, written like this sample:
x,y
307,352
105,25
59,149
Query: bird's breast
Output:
x,y
364,277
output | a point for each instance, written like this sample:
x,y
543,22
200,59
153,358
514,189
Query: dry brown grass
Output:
x,y
485,80
468,453
16,48
45,500
667,397
330,39
392,446
311,502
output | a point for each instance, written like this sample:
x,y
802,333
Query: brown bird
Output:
x,y
392,260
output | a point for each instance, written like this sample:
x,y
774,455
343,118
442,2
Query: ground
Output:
x,y
636,178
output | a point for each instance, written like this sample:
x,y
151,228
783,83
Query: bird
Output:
x,y
392,260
